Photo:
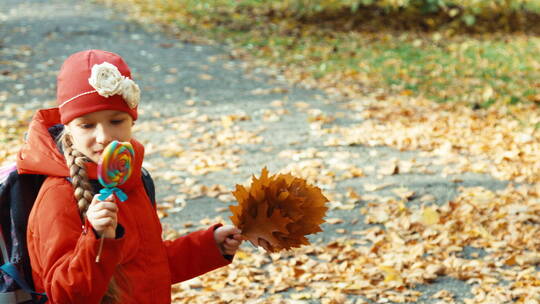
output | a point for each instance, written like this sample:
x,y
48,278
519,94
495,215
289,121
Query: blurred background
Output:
x,y
476,51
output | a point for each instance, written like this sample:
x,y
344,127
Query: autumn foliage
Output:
x,y
277,212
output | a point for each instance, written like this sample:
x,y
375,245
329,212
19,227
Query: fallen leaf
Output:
x,y
430,216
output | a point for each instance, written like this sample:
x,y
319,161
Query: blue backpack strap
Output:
x,y
12,271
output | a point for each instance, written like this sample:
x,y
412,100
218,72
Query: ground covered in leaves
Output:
x,y
416,214
486,238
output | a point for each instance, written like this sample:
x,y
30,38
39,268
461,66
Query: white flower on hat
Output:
x,y
131,92
106,79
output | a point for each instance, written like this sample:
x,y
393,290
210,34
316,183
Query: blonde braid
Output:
x,y
77,170
84,194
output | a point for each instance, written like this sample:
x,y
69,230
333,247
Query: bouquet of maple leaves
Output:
x,y
277,212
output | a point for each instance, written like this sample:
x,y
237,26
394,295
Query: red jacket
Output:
x,y
63,255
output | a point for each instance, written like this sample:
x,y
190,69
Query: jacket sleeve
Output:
x,y
194,254
63,253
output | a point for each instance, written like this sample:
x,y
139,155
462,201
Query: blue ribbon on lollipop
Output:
x,y
106,192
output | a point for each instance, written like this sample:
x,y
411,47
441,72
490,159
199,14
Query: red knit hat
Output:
x,y
95,80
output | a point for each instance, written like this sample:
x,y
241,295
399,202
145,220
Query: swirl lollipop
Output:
x,y
114,169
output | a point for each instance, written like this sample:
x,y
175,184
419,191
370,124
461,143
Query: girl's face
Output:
x,y
92,132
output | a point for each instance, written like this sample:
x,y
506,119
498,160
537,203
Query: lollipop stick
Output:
x,y
99,249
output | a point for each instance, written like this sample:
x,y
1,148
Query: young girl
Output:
x,y
97,103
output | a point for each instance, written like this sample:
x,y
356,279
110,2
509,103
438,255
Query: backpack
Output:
x,y
17,195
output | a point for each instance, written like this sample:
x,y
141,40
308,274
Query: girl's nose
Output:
x,y
103,135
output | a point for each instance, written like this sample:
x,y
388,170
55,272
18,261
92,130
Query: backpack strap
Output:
x,y
12,271
149,186
5,172
3,246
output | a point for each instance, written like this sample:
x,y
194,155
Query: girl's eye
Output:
x,y
86,126
117,121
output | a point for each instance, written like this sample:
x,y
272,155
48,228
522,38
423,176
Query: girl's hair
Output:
x,y
79,178
84,194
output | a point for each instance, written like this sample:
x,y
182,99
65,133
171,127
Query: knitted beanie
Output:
x,y
95,80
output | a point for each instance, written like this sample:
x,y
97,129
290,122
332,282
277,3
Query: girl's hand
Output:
x,y
228,239
103,215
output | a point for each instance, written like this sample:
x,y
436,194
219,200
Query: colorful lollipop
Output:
x,y
114,169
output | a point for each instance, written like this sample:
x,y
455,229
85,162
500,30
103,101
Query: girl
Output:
x,y
97,103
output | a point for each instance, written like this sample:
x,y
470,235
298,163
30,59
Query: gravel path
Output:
x,y
246,119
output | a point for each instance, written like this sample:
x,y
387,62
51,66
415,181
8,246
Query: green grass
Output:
x,y
459,69
480,69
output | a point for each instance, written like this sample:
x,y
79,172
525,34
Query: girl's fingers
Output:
x,y
230,246
232,242
106,206
109,206
101,214
228,239
234,231
104,214
238,237
103,223
228,232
